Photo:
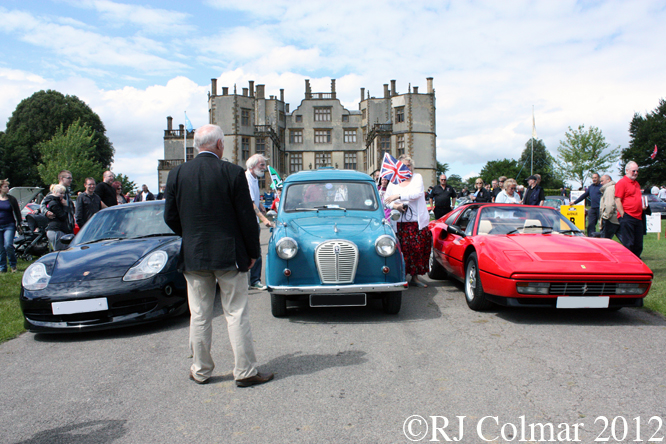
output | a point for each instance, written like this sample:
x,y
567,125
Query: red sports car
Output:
x,y
528,256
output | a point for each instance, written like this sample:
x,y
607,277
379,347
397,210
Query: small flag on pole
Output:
x,y
619,165
188,124
276,182
394,170
534,133
654,153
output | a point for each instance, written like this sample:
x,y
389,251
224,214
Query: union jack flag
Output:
x,y
394,170
654,153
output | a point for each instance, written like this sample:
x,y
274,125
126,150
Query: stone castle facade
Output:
x,y
319,132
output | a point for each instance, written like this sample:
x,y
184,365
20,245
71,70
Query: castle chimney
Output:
x,y
281,94
333,88
245,92
169,123
416,89
430,89
287,108
225,90
308,92
386,91
261,91
393,91
362,94
181,128
251,88
213,87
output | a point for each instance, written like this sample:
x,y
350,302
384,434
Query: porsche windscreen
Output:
x,y
130,222
520,220
314,196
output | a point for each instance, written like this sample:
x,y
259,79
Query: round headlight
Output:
x,y
35,277
286,248
148,267
385,245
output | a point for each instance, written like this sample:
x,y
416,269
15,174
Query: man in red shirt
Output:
x,y
630,207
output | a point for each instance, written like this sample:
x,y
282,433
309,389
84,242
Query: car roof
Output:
x,y
327,173
135,204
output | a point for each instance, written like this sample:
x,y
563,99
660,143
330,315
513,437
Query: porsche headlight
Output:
x,y
286,248
35,277
148,267
385,245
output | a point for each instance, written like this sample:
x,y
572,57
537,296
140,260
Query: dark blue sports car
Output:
x,y
120,269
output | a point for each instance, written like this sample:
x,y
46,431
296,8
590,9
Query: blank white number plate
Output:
x,y
83,306
583,302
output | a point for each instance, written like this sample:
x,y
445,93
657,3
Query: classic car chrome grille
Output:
x,y
336,261
582,288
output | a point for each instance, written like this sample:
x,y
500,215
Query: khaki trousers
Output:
x,y
201,297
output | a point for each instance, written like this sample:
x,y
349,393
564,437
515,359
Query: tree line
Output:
x,y
49,132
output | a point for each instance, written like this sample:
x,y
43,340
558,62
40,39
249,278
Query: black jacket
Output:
x,y
86,207
15,209
60,222
139,196
207,203
483,196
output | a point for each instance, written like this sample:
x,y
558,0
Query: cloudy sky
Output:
x,y
577,62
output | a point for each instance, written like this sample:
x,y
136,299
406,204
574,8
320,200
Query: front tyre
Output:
x,y
278,305
474,295
391,302
437,272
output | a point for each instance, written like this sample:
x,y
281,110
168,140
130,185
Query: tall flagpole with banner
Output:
x,y
188,128
534,136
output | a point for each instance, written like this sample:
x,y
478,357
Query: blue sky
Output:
x,y
594,63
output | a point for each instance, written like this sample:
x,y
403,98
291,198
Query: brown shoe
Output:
x,y
205,381
259,378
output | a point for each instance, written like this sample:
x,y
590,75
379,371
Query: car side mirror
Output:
x,y
453,229
67,239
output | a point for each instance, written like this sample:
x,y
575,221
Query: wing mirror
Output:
x,y
453,229
67,239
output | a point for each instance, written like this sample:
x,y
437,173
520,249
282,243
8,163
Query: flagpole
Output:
x,y
533,130
185,141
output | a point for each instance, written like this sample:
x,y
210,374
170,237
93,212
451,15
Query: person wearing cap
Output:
x,y
534,195
594,193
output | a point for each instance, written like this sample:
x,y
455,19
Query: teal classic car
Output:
x,y
332,245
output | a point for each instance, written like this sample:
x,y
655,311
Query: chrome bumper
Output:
x,y
332,289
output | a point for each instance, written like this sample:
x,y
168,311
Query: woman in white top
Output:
x,y
412,227
509,193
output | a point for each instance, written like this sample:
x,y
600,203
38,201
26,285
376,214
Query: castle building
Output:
x,y
319,132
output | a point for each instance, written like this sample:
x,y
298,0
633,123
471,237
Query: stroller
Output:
x,y
33,242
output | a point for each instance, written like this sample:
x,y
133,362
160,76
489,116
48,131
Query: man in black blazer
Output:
x,y
207,203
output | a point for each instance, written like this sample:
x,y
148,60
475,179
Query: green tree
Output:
x,y
496,168
37,119
644,134
71,150
583,153
544,164
442,168
127,186
455,181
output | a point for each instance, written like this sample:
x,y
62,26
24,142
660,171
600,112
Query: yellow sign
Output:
x,y
575,213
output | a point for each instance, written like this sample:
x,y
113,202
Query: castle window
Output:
x,y
245,116
322,136
296,136
322,113
400,114
350,136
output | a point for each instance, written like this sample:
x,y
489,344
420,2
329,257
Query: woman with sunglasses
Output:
x,y
509,193
480,194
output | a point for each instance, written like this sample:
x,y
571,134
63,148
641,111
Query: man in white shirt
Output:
x,y
662,193
256,168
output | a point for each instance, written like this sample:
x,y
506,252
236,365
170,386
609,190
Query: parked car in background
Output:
x,y
656,205
119,270
532,256
555,201
332,245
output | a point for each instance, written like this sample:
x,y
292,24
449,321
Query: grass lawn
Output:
x,y
11,319
654,255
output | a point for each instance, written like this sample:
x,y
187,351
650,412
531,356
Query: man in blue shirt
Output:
x,y
594,193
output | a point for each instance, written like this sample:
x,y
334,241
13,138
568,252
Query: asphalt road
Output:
x,y
349,376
